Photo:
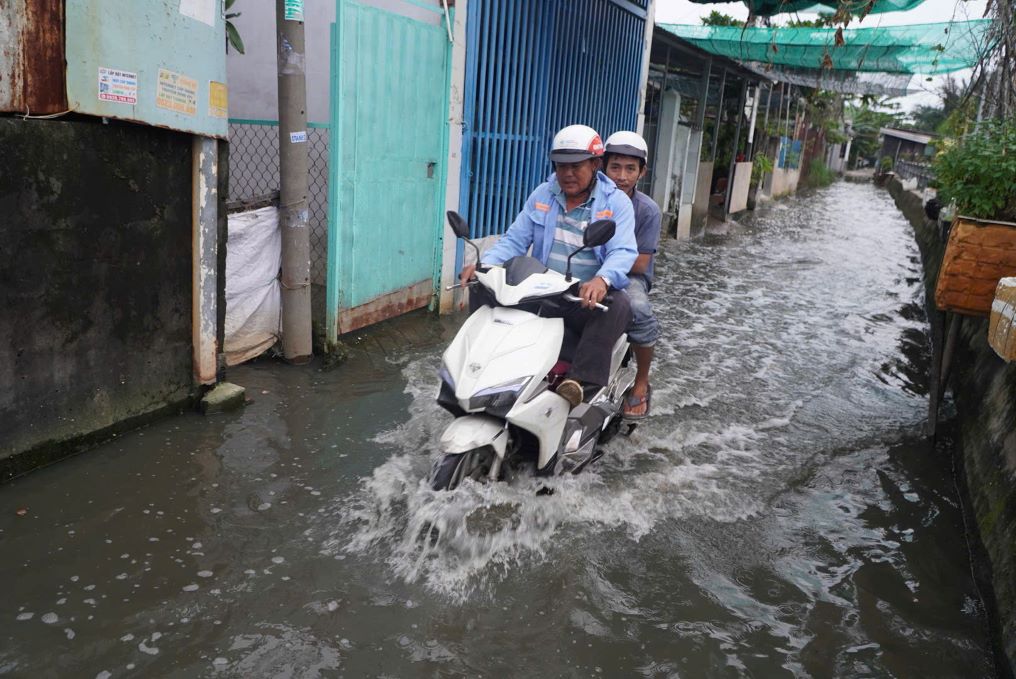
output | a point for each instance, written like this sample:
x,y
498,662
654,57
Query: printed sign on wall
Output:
x,y
218,99
118,86
177,92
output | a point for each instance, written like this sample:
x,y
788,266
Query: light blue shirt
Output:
x,y
536,226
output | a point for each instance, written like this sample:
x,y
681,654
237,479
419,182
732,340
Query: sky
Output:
x,y
930,11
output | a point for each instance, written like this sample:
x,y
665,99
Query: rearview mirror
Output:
x,y
458,224
599,232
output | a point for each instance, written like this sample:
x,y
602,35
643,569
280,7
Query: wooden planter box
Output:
x,y
978,254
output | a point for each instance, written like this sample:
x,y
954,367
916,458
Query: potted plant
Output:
x,y
978,172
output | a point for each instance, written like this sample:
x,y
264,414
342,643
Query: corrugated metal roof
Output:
x,y
906,134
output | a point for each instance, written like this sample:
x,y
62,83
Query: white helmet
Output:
x,y
628,144
576,143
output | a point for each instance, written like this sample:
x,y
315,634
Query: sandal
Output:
x,y
631,401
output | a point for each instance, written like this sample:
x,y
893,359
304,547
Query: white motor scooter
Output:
x,y
499,373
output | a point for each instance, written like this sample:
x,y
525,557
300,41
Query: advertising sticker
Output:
x,y
118,86
218,99
177,92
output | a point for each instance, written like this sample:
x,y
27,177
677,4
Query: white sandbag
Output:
x,y
253,294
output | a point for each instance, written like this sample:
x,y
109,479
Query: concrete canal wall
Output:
x,y
984,390
95,282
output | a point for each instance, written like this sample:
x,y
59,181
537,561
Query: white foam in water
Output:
x,y
454,542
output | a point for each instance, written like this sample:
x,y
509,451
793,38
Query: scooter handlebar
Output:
x,y
574,298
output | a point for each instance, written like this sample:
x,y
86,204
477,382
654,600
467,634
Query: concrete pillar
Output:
x,y
453,186
204,295
666,140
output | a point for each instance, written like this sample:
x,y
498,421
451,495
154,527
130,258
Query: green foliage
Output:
x,y
886,164
720,19
818,174
979,172
953,104
824,20
761,165
232,35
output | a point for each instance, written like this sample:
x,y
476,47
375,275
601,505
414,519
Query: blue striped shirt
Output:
x,y
570,227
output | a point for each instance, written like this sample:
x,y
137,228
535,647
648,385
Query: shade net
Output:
x,y
856,7
880,84
920,48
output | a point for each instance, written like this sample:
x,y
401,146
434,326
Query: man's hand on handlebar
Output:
x,y
467,272
592,292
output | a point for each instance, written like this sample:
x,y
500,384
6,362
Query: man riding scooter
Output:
x,y
625,156
552,221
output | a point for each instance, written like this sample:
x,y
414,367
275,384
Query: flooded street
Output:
x,y
780,514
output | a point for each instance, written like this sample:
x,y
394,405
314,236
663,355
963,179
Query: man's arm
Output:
x,y
641,264
516,240
647,234
621,250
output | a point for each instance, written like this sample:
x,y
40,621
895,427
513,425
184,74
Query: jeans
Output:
x,y
644,329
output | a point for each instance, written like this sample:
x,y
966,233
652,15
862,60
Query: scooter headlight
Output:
x,y
499,399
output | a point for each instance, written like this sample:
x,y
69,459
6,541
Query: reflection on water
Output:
x,y
779,515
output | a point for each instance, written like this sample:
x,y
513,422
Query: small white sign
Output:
x,y
298,137
293,10
118,86
202,10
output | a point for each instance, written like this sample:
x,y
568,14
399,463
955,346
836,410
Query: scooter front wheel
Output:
x,y
477,464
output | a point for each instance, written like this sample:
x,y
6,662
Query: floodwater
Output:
x,y
780,514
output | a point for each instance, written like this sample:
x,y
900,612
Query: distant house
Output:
x,y
905,145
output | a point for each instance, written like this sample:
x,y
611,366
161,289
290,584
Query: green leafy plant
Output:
x,y
818,174
886,164
761,165
979,172
232,35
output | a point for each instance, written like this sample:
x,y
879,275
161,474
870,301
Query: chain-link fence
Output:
x,y
254,174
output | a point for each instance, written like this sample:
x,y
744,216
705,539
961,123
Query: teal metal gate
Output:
x,y
387,163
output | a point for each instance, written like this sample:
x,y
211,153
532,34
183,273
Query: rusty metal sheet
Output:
x,y
159,62
32,57
386,306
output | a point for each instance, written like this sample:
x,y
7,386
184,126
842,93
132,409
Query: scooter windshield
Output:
x,y
518,269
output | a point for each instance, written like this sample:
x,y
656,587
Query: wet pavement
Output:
x,y
780,514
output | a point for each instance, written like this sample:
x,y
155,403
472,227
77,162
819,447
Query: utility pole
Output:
x,y
293,210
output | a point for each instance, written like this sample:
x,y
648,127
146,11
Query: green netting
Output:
x,y
921,48
767,8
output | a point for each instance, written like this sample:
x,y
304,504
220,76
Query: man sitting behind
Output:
x,y
626,155
552,222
